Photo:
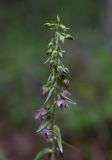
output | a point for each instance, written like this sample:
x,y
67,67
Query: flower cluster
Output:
x,y
56,86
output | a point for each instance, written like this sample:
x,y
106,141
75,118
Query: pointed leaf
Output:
x,y
58,137
49,94
43,125
42,153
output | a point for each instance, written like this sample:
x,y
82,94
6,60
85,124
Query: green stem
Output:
x,y
53,137
54,107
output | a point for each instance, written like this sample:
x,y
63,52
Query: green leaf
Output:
x,y
58,137
43,153
49,94
43,125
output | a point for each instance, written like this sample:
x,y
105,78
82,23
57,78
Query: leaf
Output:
x,y
42,153
58,137
49,95
43,125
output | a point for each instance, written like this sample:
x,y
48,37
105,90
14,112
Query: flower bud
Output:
x,y
52,64
41,114
60,69
66,83
44,89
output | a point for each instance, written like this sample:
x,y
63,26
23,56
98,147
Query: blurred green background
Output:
x,y
23,42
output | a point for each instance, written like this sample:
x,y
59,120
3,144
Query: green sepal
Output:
x,y
43,153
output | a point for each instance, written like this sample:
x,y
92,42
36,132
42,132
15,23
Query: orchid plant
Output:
x,y
56,91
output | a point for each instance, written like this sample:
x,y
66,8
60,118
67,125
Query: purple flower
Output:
x,y
61,104
46,133
41,114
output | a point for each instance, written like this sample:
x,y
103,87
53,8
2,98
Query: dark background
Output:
x,y
23,42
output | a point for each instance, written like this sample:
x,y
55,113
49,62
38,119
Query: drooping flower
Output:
x,y
44,89
46,133
61,104
66,83
41,114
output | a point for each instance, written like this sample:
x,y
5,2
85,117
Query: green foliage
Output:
x,y
56,86
21,72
